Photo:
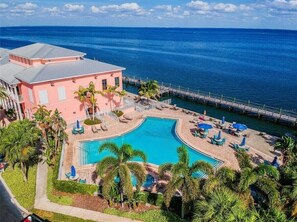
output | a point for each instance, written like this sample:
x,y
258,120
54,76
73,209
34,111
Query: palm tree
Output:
x,y
110,92
224,176
3,93
18,144
222,205
182,178
263,179
288,146
119,166
87,97
149,89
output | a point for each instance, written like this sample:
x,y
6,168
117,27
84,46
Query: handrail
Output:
x,y
218,97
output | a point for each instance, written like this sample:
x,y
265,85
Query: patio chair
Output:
x,y
204,135
74,131
128,117
123,120
221,142
82,181
196,133
82,130
238,147
159,108
94,129
104,127
68,175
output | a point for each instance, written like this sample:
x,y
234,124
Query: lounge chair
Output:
x,y
82,130
74,131
159,108
123,120
68,175
104,127
94,129
82,181
128,117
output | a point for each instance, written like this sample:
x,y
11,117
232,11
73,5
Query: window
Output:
x,y
43,98
117,81
104,84
61,93
30,92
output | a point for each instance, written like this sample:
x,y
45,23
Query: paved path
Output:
x,y
8,210
42,203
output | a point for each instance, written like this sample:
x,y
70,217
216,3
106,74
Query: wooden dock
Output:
x,y
232,104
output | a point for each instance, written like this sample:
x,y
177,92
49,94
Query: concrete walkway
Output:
x,y
42,203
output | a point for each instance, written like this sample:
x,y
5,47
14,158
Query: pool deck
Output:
x,y
261,147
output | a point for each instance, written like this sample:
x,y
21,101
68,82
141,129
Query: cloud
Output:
x,y
225,7
3,6
129,8
27,8
73,8
199,5
164,7
53,11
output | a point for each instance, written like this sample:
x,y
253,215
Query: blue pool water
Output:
x,y
149,180
155,137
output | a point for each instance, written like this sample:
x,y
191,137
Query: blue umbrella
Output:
x,y
239,126
77,124
219,135
73,171
223,120
243,142
204,126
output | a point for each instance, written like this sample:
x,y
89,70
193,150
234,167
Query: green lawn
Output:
x,y
148,216
64,200
54,217
24,192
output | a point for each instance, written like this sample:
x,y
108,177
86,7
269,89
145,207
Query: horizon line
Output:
x,y
148,27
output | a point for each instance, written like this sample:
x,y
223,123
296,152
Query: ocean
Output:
x,y
248,64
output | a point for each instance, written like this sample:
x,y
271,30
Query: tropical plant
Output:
x,y
53,128
183,178
121,167
149,89
3,93
88,97
18,143
224,176
288,146
222,205
263,179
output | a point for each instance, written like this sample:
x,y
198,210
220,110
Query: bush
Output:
x,y
90,122
243,159
55,217
118,112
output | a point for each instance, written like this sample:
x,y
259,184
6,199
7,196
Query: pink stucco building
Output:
x,y
42,74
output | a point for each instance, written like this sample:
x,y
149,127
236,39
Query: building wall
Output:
x,y
71,109
28,105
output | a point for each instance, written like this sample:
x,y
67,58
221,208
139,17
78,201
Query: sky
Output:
x,y
272,14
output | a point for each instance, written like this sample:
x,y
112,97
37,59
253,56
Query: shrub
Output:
x,y
92,122
118,112
243,159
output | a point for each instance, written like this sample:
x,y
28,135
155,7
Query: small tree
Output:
x,y
119,166
18,143
150,90
110,92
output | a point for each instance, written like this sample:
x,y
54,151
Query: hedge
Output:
x,y
90,122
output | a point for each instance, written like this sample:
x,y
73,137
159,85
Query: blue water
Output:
x,y
155,137
149,180
256,65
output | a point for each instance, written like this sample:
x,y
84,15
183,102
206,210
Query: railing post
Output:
x,y
209,94
221,98
234,100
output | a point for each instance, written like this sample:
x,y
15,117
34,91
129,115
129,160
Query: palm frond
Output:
x,y
104,165
203,167
112,147
138,171
164,168
183,155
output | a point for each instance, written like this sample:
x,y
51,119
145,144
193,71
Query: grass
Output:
x,y
147,216
54,217
24,192
60,199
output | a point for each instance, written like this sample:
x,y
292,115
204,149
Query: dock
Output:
x,y
249,108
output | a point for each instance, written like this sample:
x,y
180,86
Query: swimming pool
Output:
x,y
156,137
